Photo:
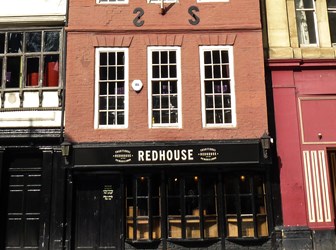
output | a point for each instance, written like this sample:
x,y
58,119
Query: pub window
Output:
x,y
245,209
164,84
217,85
30,59
332,20
111,88
306,22
192,207
143,208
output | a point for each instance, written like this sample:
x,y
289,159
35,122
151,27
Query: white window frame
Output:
x,y
315,24
126,86
150,49
233,123
112,2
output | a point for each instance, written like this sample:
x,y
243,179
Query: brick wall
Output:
x,y
229,23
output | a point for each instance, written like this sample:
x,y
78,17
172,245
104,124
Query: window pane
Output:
x,y
102,103
111,118
218,101
232,226
51,41
208,87
332,25
227,116
120,58
173,87
209,102
209,117
156,72
172,71
111,102
103,58
142,186
225,56
164,87
155,57
172,57
120,88
306,27
245,186
112,58
215,58
193,228
164,71
102,88
112,74
102,118
15,42
207,57
33,41
51,71
227,102
13,72
304,4
33,67
2,43
331,3
210,227
247,227
208,72
262,226
1,60
164,57
120,73
164,102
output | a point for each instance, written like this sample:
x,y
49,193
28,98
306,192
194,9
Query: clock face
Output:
x,y
139,20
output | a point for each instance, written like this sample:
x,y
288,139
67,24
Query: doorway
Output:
x,y
23,212
332,164
97,212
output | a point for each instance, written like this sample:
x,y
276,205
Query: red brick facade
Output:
x,y
94,25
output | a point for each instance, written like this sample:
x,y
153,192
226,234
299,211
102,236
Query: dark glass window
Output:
x,y
24,64
189,206
164,85
143,208
217,83
111,85
332,19
305,21
245,211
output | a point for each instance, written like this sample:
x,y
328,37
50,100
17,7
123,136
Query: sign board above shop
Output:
x,y
180,153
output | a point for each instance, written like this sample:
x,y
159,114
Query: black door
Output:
x,y
97,212
22,208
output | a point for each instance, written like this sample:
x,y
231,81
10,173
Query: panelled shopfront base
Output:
x,y
168,195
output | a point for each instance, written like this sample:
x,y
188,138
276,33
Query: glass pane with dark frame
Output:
x,y
25,64
245,206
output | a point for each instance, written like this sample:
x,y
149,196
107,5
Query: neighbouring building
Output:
x,y
31,123
166,115
302,78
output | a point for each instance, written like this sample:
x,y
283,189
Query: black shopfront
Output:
x,y
164,195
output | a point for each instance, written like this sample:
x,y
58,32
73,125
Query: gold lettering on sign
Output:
x,y
107,193
208,154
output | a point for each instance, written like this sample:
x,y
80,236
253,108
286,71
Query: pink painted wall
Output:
x,y
304,104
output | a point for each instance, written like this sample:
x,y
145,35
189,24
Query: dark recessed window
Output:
x,y
30,59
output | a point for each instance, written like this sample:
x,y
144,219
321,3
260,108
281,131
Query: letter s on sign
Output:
x,y
191,13
137,22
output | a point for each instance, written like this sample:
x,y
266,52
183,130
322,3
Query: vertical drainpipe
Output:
x,y
64,71
64,240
